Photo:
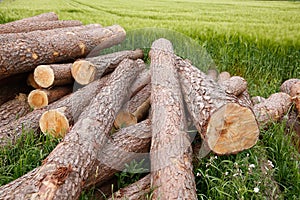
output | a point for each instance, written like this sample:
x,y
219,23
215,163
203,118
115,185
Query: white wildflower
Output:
x,y
270,163
226,173
216,157
256,189
248,155
251,166
198,174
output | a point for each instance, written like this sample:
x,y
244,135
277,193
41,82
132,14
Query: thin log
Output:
x,y
40,98
46,48
31,82
223,76
171,153
90,69
134,191
69,165
235,85
138,99
37,25
219,117
14,109
53,75
142,80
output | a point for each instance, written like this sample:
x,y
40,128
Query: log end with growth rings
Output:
x,y
43,76
55,123
232,128
37,99
83,72
124,119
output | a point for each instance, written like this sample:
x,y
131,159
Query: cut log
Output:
x,y
292,87
273,108
288,85
37,25
40,98
90,69
42,47
53,75
219,117
31,82
213,74
69,165
14,109
171,153
235,85
223,76
135,191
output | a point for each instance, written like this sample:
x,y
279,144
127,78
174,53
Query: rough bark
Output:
x,y
46,48
138,99
90,69
219,117
293,124
53,75
69,165
141,81
40,98
273,108
37,25
288,85
171,153
134,191
14,109
235,85
31,82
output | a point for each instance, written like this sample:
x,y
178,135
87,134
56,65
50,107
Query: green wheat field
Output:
x,y
258,40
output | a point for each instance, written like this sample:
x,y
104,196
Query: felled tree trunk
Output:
x,y
292,87
90,69
53,75
141,81
46,48
14,109
134,191
37,25
171,153
69,165
219,117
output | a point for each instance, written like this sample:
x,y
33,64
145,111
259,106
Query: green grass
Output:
x,y
258,40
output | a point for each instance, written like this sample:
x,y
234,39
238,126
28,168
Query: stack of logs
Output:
x,y
122,110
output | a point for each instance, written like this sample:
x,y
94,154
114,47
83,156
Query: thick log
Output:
x,y
69,165
44,47
134,191
90,69
40,98
31,82
292,87
141,81
219,117
50,16
171,153
14,109
37,25
53,75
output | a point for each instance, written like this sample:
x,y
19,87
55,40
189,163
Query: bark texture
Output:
x,y
14,109
171,153
287,85
141,81
53,75
69,165
90,69
135,191
37,25
46,48
219,117
235,85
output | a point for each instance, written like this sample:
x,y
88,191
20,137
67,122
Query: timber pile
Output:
x,y
123,111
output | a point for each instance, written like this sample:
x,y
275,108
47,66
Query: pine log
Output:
x,y
219,117
223,76
287,85
40,98
68,167
37,25
31,82
134,191
213,74
14,109
53,75
235,85
141,81
46,48
273,108
171,153
90,69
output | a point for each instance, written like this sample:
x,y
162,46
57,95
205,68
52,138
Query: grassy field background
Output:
x,y
259,40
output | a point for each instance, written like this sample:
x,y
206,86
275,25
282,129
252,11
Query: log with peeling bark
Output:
x,y
37,25
40,98
219,117
273,108
70,165
90,69
171,153
53,75
14,109
136,191
44,47
31,82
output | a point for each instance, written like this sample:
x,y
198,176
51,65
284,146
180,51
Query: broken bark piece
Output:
x,y
37,25
219,117
90,69
40,98
142,110
14,109
223,76
235,85
44,47
31,82
134,191
273,108
170,153
212,73
53,75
